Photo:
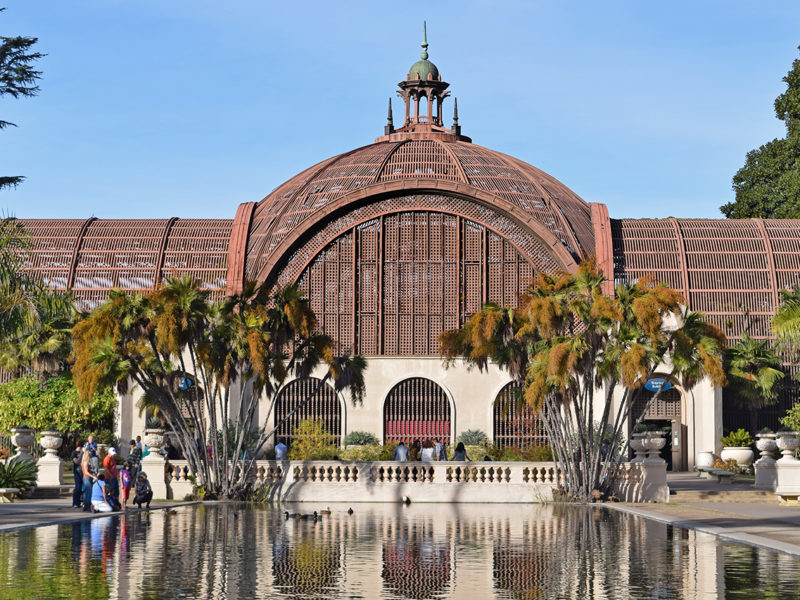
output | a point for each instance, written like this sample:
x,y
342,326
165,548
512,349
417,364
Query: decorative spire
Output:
x,y
455,111
389,129
424,54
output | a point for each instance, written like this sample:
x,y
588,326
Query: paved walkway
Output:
x,y
33,513
726,510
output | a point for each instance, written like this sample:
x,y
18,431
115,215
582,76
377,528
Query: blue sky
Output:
x,y
160,108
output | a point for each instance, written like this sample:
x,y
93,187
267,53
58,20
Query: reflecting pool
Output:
x,y
385,551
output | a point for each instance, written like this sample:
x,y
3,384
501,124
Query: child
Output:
x,y
126,479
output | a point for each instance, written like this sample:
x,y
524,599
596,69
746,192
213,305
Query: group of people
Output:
x,y
427,451
107,487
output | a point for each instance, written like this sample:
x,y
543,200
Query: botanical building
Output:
x,y
403,238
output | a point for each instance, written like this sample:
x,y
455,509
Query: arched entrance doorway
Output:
x,y
416,408
515,424
665,413
324,406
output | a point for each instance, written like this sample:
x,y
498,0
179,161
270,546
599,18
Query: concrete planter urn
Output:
x,y
50,465
51,441
788,442
765,443
23,439
743,455
653,442
637,445
154,439
705,458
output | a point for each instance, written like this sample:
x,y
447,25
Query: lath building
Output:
x,y
401,239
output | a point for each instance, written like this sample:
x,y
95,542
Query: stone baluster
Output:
x,y
766,474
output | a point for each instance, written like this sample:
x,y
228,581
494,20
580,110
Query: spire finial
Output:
x,y
455,111
389,127
424,54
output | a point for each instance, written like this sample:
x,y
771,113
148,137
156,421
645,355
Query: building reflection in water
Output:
x,y
385,551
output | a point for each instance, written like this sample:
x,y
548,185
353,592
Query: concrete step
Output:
x,y
745,495
63,491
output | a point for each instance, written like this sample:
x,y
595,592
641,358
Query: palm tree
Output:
x,y
754,375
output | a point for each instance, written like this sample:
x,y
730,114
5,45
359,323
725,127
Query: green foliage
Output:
x,y
768,185
738,438
472,437
754,373
312,442
360,438
792,418
57,405
16,473
368,452
17,78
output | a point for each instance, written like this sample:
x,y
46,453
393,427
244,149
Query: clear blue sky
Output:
x,y
159,108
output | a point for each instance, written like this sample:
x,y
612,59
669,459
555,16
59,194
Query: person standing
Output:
x,y
427,453
135,457
88,478
461,452
112,478
77,474
280,450
139,444
400,453
413,452
126,480
441,453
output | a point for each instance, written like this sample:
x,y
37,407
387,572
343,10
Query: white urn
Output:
x,y
788,442
765,443
653,442
23,439
705,458
51,441
743,455
154,439
637,445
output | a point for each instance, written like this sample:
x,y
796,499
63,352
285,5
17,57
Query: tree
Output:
x,y
17,78
754,375
204,365
572,348
768,185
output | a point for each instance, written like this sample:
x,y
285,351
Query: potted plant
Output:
x,y
736,446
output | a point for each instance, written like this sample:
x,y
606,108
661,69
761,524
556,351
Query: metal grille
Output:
x,y
324,406
392,284
666,406
515,423
544,198
416,409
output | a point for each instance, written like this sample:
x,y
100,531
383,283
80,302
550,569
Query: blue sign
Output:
x,y
184,383
657,383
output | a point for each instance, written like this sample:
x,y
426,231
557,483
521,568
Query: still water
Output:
x,y
385,551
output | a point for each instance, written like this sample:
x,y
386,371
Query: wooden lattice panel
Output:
x,y
666,407
416,409
515,424
392,284
324,407
93,256
548,201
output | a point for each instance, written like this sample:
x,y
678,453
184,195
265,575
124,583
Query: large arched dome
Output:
x,y
416,162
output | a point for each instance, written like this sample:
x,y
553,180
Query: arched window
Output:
x,y
666,407
515,423
416,408
324,406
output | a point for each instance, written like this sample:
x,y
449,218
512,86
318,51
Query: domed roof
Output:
x,y
422,69
418,162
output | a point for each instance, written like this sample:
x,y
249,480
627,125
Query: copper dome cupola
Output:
x,y
423,93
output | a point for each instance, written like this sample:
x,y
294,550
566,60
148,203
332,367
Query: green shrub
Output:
x,y
792,418
312,441
738,438
472,437
56,405
16,473
360,438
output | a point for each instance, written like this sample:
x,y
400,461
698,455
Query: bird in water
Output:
x,y
349,511
406,500
290,516
327,511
